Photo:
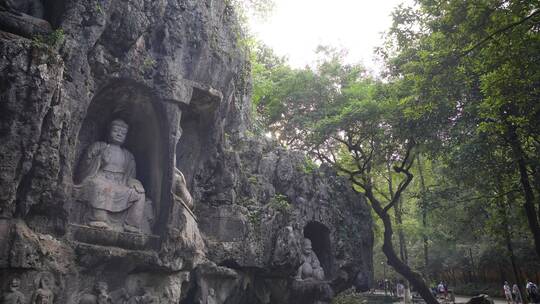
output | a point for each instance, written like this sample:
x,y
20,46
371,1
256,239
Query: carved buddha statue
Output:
x,y
43,294
311,267
13,295
101,295
116,199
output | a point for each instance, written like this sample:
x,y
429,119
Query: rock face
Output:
x,y
174,70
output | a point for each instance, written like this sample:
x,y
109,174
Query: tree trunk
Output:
x,y
399,218
413,277
508,239
530,208
472,274
401,235
423,207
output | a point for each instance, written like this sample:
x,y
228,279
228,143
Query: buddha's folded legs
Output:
x,y
135,215
99,219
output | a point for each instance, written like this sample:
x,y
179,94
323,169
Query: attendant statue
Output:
x,y
13,295
211,298
101,295
311,267
181,192
116,199
143,296
43,294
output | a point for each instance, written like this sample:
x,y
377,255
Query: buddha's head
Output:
x,y
118,131
101,287
15,283
306,246
44,282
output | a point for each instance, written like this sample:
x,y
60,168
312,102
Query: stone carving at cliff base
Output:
x,y
181,192
101,295
13,295
115,199
43,293
311,267
309,284
211,298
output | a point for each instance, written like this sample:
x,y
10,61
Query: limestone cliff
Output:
x,y
175,70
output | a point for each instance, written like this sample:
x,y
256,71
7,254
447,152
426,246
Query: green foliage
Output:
x,y
279,202
253,179
309,166
53,40
472,75
99,8
257,8
255,218
473,289
149,63
349,296
458,109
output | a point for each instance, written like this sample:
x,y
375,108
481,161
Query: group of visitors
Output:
x,y
440,291
394,288
513,294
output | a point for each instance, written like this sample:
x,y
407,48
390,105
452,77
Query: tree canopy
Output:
x,y
445,145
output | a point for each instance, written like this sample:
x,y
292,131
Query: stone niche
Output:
x,y
54,10
197,125
321,243
147,140
31,18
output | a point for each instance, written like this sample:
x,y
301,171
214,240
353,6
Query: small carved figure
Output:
x,y
13,295
211,298
33,8
101,297
109,187
311,267
181,192
144,298
43,294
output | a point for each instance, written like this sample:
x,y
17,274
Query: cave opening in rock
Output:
x,y
53,11
321,243
146,138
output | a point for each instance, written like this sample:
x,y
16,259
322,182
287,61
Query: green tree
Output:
x,y
475,68
340,116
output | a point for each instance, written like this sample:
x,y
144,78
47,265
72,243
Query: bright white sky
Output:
x,y
296,27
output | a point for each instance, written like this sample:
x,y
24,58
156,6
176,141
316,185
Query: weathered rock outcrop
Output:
x,y
175,71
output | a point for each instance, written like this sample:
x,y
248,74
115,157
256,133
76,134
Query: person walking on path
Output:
x,y
517,294
441,289
508,293
532,292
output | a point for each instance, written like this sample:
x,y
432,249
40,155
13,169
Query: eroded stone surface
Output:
x,y
175,71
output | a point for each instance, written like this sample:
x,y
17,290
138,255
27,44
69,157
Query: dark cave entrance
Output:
x,y
319,235
54,11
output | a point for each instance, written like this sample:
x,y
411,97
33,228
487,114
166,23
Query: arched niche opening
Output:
x,y
54,11
197,130
321,243
146,138
49,10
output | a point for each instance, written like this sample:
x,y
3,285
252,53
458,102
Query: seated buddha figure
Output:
x,y
311,267
116,199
